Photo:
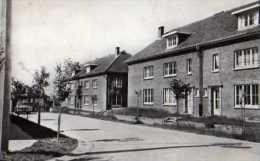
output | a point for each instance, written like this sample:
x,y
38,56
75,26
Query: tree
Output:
x,y
61,87
180,90
64,71
70,67
40,79
18,88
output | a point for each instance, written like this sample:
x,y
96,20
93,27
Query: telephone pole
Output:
x,y
4,73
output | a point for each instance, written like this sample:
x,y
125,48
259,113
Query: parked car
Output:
x,y
24,108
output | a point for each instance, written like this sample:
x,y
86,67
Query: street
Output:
x,y
113,141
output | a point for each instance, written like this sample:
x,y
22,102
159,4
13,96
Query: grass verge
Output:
x,y
44,149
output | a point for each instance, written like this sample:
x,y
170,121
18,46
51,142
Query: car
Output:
x,y
24,108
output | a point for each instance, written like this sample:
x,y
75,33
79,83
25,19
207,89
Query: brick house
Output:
x,y
217,56
104,79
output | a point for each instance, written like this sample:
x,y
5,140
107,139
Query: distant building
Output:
x,y
218,56
104,79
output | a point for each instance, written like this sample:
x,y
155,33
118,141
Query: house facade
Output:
x,y
219,58
100,84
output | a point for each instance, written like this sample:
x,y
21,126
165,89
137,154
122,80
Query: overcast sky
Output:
x,y
45,32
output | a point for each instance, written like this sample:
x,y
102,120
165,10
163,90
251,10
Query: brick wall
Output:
x,y
137,82
100,91
226,77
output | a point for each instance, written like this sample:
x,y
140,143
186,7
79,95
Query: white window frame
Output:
x,y
88,68
172,41
86,84
72,86
118,82
196,92
189,66
215,63
95,104
148,96
148,72
168,97
167,67
246,59
72,99
94,84
238,95
86,100
205,92
244,19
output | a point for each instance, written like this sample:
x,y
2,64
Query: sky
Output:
x,y
45,32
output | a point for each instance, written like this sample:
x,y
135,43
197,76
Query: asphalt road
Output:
x,y
113,141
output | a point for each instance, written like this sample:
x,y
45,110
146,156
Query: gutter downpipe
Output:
x,y
201,60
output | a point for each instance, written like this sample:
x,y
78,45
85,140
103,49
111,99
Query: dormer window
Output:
x,y
247,17
90,67
87,69
248,20
172,41
174,38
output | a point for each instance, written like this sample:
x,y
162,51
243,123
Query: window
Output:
x,y
205,92
215,63
117,82
94,83
94,100
148,96
148,72
86,84
169,69
172,41
246,58
88,69
197,92
72,100
72,86
86,100
247,94
168,97
247,20
69,100
188,66
117,99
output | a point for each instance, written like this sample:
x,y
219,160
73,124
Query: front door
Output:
x,y
216,100
116,100
188,103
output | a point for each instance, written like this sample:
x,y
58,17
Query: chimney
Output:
x,y
117,51
160,31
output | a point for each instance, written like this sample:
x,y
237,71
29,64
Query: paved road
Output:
x,y
106,140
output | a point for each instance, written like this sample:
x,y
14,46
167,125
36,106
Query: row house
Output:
x,y
100,84
219,58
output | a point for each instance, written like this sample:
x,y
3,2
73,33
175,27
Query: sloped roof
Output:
x,y
220,26
109,63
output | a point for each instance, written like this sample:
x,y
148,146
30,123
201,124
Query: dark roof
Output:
x,y
220,26
107,64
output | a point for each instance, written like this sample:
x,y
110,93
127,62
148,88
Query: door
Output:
x,y
188,103
216,100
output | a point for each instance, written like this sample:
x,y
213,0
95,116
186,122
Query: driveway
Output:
x,y
113,141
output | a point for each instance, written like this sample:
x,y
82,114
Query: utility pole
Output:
x,y
5,65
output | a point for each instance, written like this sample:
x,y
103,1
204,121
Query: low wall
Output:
x,y
229,130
